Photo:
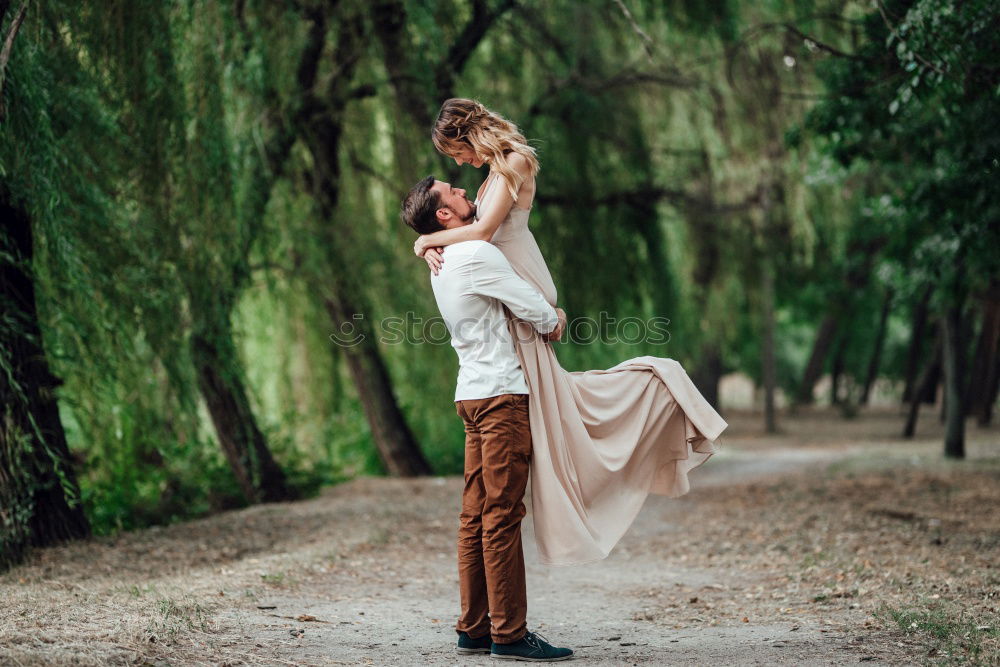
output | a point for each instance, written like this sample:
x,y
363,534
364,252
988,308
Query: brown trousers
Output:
x,y
490,559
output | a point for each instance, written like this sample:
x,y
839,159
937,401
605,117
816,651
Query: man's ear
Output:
x,y
443,215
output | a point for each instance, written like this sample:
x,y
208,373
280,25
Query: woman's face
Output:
x,y
467,156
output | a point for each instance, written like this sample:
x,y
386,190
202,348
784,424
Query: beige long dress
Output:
x,y
603,439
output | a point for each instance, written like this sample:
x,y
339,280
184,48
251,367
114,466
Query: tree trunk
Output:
x,y
986,415
930,388
984,360
864,252
39,496
767,349
917,334
876,358
926,383
824,337
708,373
321,129
837,370
396,446
243,444
954,371
414,96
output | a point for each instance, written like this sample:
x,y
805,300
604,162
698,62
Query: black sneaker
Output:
x,y
532,647
467,644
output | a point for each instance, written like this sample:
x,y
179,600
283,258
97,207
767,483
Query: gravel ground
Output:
x,y
790,549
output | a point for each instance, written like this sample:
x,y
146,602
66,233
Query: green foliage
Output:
x,y
956,636
682,151
918,100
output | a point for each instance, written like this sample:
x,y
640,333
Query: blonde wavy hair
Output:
x,y
464,123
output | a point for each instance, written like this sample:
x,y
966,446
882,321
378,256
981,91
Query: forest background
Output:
x,y
199,204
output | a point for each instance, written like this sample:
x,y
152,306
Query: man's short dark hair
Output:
x,y
419,209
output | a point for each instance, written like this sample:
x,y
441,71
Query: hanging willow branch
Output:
x,y
390,27
8,43
647,41
655,194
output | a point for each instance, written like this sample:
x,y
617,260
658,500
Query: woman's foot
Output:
x,y
532,647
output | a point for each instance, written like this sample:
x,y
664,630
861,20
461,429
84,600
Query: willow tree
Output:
x,y
319,87
39,495
171,92
507,55
220,242
660,158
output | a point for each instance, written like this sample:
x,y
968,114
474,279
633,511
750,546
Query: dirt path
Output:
x,y
365,574
405,616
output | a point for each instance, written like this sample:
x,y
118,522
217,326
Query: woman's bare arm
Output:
x,y
486,226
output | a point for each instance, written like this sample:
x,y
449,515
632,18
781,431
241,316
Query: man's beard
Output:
x,y
467,217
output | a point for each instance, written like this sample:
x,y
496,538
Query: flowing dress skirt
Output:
x,y
603,440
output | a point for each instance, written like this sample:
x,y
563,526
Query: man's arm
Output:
x,y
492,275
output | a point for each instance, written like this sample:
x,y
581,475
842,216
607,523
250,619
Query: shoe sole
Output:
x,y
466,651
523,659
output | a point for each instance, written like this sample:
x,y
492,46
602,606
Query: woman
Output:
x,y
602,439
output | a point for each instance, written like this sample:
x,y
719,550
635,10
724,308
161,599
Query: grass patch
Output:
x,y
379,537
954,634
275,579
175,618
813,559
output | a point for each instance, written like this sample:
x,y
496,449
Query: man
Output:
x,y
472,289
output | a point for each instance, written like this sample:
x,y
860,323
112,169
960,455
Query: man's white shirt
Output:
x,y
474,284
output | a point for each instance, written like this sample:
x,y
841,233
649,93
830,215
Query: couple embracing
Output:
x,y
593,443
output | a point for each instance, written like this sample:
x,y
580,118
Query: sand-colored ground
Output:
x,y
832,543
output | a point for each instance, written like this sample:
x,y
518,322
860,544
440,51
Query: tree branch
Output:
x,y
390,28
547,41
892,29
389,17
362,91
647,41
644,195
288,271
362,166
305,73
346,54
621,79
460,52
822,46
282,118
8,45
